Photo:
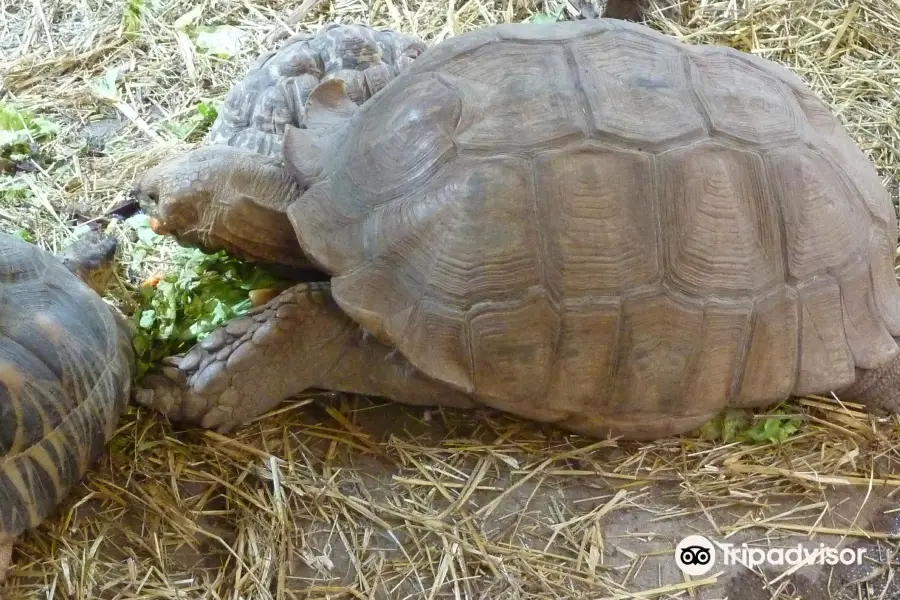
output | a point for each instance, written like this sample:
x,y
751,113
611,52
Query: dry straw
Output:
x,y
334,497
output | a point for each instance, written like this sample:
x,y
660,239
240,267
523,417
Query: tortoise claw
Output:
x,y
167,390
243,369
220,419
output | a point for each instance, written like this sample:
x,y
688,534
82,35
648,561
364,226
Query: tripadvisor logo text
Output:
x,y
798,555
696,555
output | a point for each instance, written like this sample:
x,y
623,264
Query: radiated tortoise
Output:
x,y
66,367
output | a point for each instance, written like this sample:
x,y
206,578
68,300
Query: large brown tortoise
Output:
x,y
583,223
66,367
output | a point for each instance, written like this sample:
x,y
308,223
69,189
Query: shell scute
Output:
x,y
723,230
657,340
826,361
411,139
632,79
870,341
772,350
594,243
742,100
512,371
544,114
586,355
823,223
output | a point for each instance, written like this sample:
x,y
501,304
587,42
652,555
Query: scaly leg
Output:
x,y
300,340
878,389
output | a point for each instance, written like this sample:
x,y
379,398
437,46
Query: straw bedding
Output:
x,y
335,497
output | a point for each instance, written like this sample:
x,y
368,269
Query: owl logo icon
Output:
x,y
695,555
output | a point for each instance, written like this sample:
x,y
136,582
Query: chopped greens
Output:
x,y
13,190
24,234
547,17
734,425
131,18
198,123
198,293
21,131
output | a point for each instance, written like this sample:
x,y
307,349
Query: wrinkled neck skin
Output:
x,y
248,217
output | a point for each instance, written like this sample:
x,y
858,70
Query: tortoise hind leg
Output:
x,y
297,341
5,558
876,388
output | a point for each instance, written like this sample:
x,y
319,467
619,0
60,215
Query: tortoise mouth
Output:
x,y
158,227
146,200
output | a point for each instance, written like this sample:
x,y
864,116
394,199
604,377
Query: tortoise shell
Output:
x,y
65,377
593,224
274,91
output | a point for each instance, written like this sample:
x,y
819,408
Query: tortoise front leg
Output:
x,y
299,340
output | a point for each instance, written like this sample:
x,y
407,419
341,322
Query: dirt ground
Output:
x,y
443,504
333,497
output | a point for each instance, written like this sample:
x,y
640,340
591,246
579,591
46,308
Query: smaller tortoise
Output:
x,y
271,97
583,223
66,366
272,94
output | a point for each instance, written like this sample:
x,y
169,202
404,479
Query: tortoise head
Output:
x,y
91,258
223,198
